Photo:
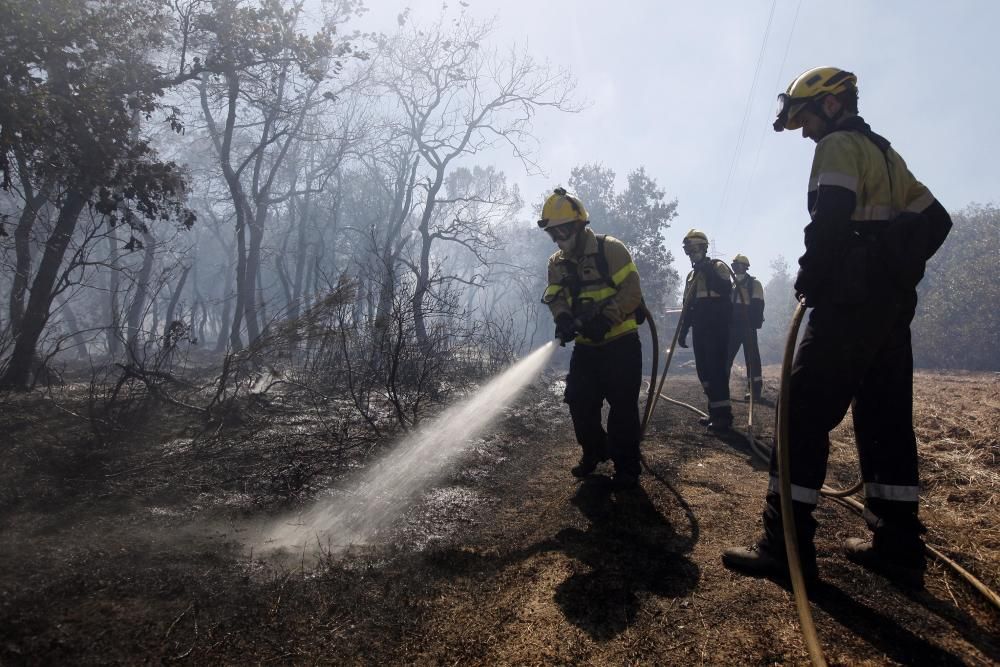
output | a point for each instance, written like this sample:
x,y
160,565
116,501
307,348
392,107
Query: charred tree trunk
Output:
x,y
138,306
235,339
22,251
424,269
73,328
301,259
224,331
252,270
113,332
176,297
36,313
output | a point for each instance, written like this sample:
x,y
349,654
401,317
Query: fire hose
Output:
x,y
761,449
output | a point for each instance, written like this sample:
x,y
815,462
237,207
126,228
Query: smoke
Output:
x,y
382,493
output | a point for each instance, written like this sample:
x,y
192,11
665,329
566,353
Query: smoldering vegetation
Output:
x,y
256,219
248,214
244,250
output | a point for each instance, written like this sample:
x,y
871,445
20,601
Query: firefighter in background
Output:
x,y
708,310
873,227
595,298
748,317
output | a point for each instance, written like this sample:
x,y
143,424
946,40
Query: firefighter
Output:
x,y
708,310
594,296
873,227
748,317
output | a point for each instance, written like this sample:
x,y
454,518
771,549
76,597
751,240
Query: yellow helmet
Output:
x,y
806,89
560,208
694,237
741,259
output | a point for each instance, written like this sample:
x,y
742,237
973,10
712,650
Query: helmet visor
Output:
x,y
694,245
788,109
561,232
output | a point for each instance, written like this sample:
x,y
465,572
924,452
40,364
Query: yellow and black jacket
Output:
x,y
748,301
707,293
578,286
873,225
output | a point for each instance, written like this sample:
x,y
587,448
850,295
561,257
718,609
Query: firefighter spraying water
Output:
x,y
596,301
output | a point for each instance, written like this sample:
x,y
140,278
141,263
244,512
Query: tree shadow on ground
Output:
x,y
630,548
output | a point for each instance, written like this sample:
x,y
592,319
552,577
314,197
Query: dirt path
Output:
x,y
510,561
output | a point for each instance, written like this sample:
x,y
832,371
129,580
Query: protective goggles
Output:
x,y
786,105
561,232
695,246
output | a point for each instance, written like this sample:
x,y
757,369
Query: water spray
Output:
x,y
356,515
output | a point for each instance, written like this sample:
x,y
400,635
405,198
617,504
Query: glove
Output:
x,y
804,291
596,328
683,340
565,328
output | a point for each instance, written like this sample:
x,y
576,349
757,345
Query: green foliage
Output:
x,y
235,35
638,216
957,323
75,80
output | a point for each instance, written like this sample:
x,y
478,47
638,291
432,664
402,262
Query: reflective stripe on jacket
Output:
x,y
748,300
869,228
747,290
618,300
852,161
707,288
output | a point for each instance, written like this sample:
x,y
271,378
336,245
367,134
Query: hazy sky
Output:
x,y
667,86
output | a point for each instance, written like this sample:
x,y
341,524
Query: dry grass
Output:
x,y
136,552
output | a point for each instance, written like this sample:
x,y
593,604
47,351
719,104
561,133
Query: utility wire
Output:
x,y
746,112
763,129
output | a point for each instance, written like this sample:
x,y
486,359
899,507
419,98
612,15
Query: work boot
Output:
x,y
720,425
905,570
589,462
765,559
587,465
720,419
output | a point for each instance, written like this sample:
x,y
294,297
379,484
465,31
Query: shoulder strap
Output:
x,y
602,261
883,145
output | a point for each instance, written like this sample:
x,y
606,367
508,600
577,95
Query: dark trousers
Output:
x,y
611,372
859,353
741,334
711,344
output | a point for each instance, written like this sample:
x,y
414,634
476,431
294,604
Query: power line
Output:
x,y
746,112
763,129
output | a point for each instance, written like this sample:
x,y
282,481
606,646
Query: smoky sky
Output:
x,y
687,90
